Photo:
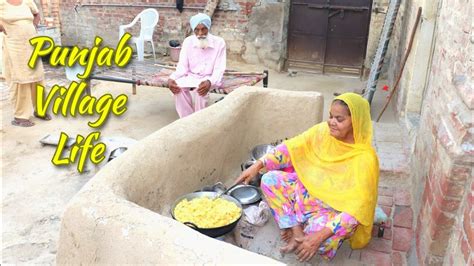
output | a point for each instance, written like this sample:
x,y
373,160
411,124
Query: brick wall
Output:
x,y
80,24
442,157
234,20
255,31
459,250
50,12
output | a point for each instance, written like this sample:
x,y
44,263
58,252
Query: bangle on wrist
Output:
x,y
262,170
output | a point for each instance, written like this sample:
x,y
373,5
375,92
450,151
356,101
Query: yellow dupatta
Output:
x,y
344,176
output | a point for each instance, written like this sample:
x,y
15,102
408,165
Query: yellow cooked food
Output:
x,y
207,213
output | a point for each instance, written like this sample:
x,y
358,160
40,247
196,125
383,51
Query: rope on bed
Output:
x,y
232,79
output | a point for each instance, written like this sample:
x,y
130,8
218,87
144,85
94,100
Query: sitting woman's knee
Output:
x,y
269,179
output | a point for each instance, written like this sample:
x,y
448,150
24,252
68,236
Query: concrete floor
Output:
x,y
35,192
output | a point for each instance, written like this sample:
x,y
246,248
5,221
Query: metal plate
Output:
x,y
260,150
245,194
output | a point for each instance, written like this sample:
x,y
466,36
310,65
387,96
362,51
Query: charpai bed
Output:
x,y
141,76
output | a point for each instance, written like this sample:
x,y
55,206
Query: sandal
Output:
x,y
20,122
46,117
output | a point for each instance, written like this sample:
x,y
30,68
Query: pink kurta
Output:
x,y
200,64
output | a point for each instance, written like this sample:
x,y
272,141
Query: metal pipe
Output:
x,y
404,60
145,5
265,79
122,80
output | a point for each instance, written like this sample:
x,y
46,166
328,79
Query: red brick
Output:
x,y
450,188
440,240
440,218
380,244
387,234
466,250
375,258
387,210
386,191
468,227
445,203
402,238
402,197
421,241
355,254
428,193
399,258
472,215
403,217
451,259
385,201
460,173
388,223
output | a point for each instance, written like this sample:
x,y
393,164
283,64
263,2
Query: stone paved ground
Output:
x,y
394,198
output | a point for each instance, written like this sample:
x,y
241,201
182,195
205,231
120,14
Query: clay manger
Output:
x,y
122,215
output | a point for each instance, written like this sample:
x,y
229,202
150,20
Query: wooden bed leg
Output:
x,y
134,85
88,87
265,79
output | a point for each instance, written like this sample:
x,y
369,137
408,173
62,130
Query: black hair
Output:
x,y
341,102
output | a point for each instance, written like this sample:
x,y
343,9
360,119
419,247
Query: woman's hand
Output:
x,y
36,19
2,29
307,247
250,173
309,244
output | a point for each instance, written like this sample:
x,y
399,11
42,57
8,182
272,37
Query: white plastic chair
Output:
x,y
148,19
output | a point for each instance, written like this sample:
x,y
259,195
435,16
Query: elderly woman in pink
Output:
x,y
201,65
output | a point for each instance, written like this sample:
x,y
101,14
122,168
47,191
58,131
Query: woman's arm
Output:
x,y
36,19
34,10
278,158
249,173
2,29
342,225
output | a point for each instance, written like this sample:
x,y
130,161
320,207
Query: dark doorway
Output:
x,y
328,35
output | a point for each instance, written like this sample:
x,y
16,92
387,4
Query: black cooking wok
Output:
x,y
212,232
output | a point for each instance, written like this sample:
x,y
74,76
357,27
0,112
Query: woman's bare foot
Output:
x,y
286,234
296,232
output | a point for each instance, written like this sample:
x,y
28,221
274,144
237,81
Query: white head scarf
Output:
x,y
200,18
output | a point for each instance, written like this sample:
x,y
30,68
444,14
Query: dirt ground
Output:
x,y
35,192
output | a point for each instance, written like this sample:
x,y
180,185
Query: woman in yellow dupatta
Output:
x,y
322,185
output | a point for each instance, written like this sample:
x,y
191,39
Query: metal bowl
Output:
x,y
245,194
117,152
260,150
